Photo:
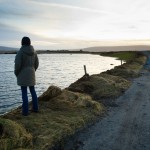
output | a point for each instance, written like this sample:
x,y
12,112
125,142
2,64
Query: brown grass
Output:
x,y
130,69
59,117
13,135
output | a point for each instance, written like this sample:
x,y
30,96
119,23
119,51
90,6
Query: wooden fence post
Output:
x,y
85,69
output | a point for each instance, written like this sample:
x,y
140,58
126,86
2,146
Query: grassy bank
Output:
x,y
63,112
126,56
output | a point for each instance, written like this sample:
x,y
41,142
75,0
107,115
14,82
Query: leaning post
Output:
x,y
85,70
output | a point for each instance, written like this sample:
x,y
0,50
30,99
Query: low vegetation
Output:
x,y
101,87
64,112
126,56
105,86
131,68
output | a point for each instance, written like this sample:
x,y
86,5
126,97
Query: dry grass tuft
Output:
x,y
52,91
13,135
101,86
130,69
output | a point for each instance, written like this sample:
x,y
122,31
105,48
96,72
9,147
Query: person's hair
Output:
x,y
26,41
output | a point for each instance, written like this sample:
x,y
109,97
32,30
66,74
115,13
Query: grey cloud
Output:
x,y
11,13
2,25
9,32
67,5
7,27
16,9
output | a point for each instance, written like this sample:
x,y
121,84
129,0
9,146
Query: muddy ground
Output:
x,y
125,127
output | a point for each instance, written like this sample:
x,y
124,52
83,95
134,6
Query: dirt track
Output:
x,y
126,127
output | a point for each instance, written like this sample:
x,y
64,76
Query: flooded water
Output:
x,y
54,69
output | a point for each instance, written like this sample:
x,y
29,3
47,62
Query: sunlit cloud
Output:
x,y
60,24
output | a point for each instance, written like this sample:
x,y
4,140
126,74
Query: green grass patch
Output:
x,y
126,56
130,69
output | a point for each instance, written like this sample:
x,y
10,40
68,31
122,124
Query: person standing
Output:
x,y
26,63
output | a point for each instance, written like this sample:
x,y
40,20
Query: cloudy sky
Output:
x,y
70,24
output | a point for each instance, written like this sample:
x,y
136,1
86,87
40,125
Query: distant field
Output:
x,y
126,56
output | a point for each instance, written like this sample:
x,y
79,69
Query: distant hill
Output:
x,y
118,48
8,50
3,48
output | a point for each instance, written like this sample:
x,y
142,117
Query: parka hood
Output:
x,y
28,50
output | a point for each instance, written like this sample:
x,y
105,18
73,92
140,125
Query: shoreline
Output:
x,y
69,52
54,52
57,77
83,95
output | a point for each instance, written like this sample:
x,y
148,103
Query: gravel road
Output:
x,y
126,127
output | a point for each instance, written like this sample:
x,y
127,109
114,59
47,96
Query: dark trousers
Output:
x,y
25,108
